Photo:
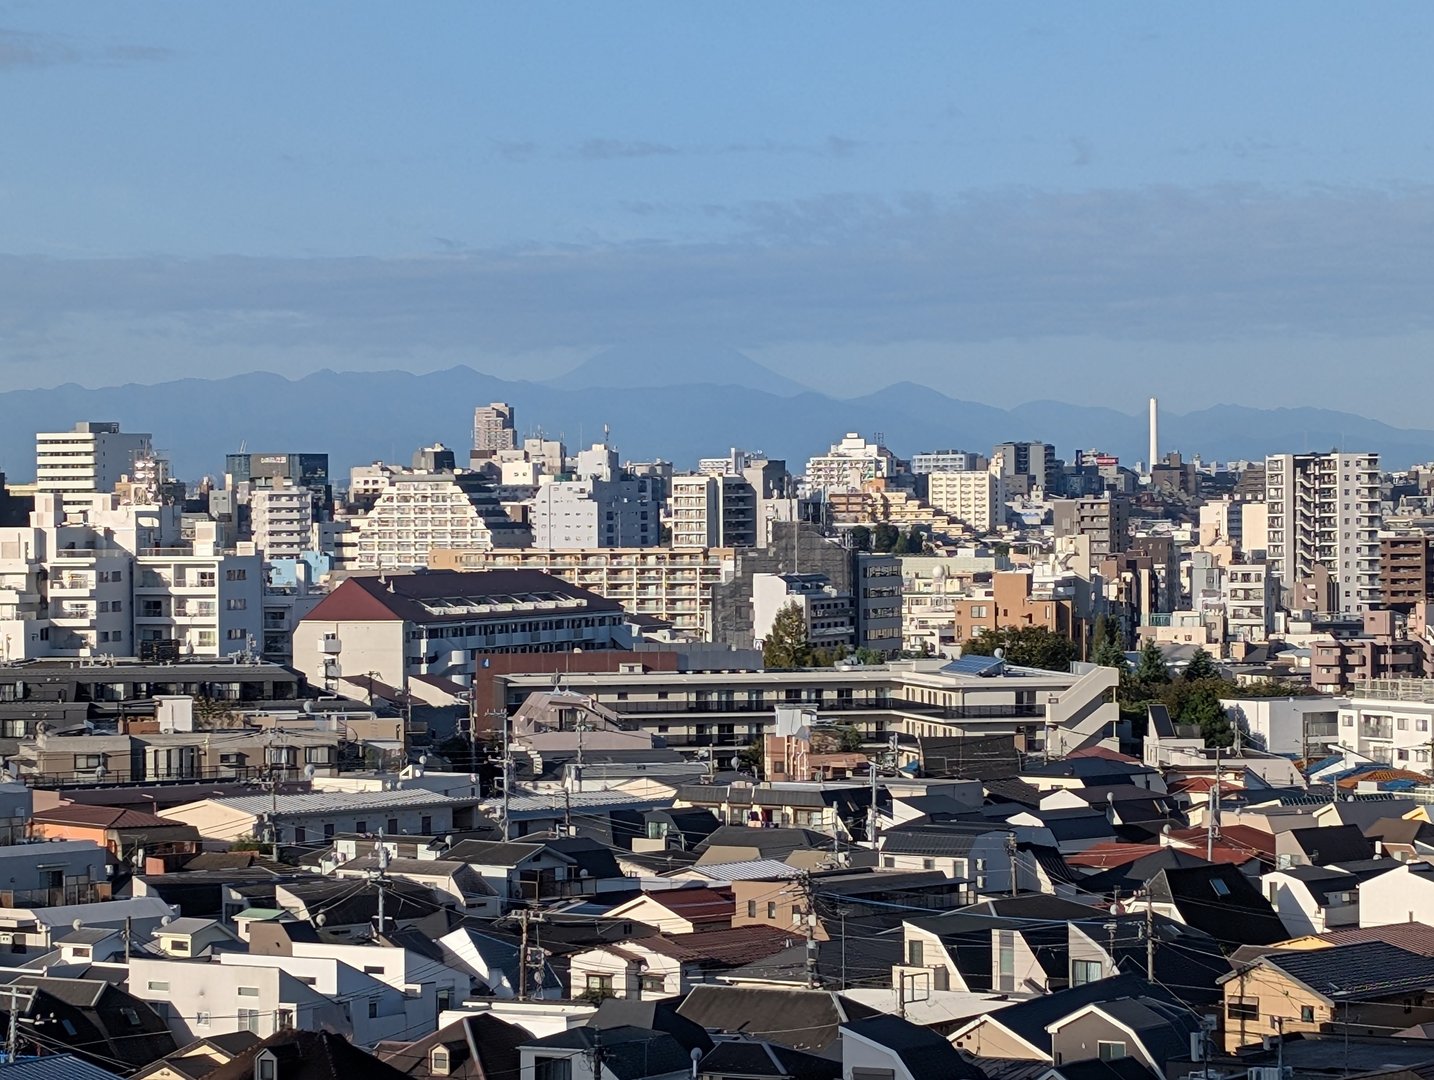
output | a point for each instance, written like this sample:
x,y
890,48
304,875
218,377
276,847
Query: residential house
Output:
x,y
321,815
130,835
304,1055
1022,1032
665,965
200,1057
52,873
1218,900
1371,988
680,911
809,1020
97,1021
457,880
1145,1028
188,938
617,1053
1313,899
1322,846
473,1047
901,1050
1404,895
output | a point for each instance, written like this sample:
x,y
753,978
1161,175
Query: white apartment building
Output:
x,y
1390,721
933,461
829,613
670,584
92,457
1248,592
1324,521
595,513
976,498
415,512
849,464
100,579
281,519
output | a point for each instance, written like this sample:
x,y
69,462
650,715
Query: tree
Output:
x,y
749,758
786,644
909,543
848,739
860,538
1151,670
1202,709
885,536
864,655
1024,646
1201,667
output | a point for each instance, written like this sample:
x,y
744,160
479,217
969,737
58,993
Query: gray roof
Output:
x,y
56,1067
1371,968
339,802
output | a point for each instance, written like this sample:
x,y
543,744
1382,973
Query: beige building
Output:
x,y
669,584
976,498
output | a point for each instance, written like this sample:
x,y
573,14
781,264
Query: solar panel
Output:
x,y
981,666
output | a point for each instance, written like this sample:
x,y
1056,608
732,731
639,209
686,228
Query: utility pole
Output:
x,y
12,1034
809,925
523,955
1212,827
871,818
382,880
1011,853
507,764
1149,940
128,926
597,1055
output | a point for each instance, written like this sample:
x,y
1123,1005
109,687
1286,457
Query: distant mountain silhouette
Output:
x,y
644,364
357,417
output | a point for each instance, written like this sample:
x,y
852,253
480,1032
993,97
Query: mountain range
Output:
x,y
652,411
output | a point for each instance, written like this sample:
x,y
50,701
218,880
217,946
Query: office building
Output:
x,y
493,428
1324,521
93,456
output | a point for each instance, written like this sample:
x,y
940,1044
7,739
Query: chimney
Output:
x,y
1154,433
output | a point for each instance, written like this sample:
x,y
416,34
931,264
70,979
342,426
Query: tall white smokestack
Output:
x,y
1154,433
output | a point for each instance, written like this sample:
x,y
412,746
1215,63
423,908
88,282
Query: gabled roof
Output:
x,y
752,1058
494,1042
1221,901
308,1055
434,596
1412,937
1030,1020
921,1050
103,817
629,1053
1332,844
802,1019
1371,969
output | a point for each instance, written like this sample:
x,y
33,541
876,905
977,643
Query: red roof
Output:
x,y
697,904
1415,937
727,946
101,817
400,597
1110,854
1104,753
1237,843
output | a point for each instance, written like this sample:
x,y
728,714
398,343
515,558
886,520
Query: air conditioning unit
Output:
x,y
7,939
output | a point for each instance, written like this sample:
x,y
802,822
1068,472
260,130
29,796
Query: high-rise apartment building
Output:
x,y
1324,521
947,461
281,520
977,498
849,464
493,428
1106,521
1406,568
712,511
1027,466
595,513
91,457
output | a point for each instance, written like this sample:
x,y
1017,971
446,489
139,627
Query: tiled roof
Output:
x,y
1105,856
749,870
1367,969
104,817
725,947
1412,937
437,596
337,802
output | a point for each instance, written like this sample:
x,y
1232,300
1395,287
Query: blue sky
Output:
x,y
1004,201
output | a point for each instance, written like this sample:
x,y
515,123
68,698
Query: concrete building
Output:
x,y
281,520
943,615
1382,651
977,498
248,473
493,428
91,457
434,623
1389,721
709,511
934,461
414,512
672,585
1324,520
1294,727
1027,466
595,513
1406,568
828,613
849,464
1106,521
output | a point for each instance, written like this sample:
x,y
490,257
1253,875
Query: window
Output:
x,y
159,986
599,984
328,832
653,984
751,909
373,1008
236,633
360,826
201,1019
438,1061
552,1068
1307,1014
393,825
915,953
249,1020
248,991
1006,957
267,1070
236,575
286,1019
88,761
1219,887
772,910
1243,1008
1086,971
236,604
1110,1051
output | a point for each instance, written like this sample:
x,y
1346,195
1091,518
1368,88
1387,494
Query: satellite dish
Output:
x,y
101,772
310,771
423,759
309,707
78,924
320,919
165,920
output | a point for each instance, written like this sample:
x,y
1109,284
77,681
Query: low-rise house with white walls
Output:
x,y
1404,895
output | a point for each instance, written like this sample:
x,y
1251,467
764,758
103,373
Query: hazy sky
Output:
x,y
1004,201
